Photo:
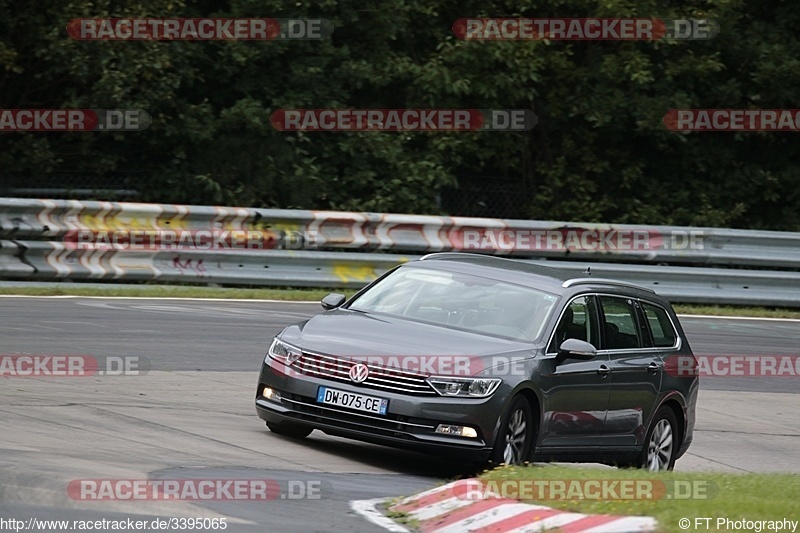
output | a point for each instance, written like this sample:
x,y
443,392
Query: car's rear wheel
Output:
x,y
661,442
295,431
515,437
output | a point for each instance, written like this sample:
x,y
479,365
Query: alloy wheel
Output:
x,y
659,449
516,432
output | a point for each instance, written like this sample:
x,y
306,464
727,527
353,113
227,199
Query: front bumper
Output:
x,y
410,421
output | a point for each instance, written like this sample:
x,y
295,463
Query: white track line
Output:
x,y
368,509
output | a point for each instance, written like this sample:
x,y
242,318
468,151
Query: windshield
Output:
x,y
460,301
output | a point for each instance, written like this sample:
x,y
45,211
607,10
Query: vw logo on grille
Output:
x,y
359,373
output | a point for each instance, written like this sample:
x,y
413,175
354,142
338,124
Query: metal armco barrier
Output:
x,y
316,249
54,261
25,219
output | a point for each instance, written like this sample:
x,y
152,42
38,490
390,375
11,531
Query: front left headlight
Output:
x,y
282,352
464,387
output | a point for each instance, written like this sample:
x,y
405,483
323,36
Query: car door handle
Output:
x,y
603,370
654,368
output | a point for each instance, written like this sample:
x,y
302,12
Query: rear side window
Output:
x,y
660,326
621,329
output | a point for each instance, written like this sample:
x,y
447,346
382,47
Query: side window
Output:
x,y
664,335
621,329
577,322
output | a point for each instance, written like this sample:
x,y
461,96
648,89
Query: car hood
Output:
x,y
347,333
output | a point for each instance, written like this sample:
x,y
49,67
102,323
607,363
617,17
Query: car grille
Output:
x,y
380,378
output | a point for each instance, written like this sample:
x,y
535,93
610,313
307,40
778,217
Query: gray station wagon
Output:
x,y
490,360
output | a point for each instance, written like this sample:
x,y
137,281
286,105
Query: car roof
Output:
x,y
525,273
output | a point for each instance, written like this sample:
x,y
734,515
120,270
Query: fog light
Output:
x,y
458,431
271,394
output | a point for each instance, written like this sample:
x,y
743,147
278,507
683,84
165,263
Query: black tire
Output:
x,y
516,434
294,431
658,454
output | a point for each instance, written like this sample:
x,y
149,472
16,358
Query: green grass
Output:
x,y
734,496
160,291
401,517
289,294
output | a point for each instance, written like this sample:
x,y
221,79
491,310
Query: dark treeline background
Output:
x,y
599,152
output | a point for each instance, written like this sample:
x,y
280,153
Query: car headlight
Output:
x,y
465,387
282,352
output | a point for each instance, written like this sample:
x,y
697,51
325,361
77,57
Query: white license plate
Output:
x,y
353,400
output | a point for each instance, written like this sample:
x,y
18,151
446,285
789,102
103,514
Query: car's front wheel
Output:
x,y
661,442
295,431
515,437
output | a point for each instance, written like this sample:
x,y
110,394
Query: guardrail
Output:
x,y
316,249
55,261
27,219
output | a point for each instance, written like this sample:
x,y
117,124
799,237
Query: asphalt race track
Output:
x,y
191,415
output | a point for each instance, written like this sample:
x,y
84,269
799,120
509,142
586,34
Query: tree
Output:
x,y
599,153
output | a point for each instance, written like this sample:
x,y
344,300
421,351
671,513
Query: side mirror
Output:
x,y
576,349
332,301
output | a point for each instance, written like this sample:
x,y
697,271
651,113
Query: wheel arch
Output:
x,y
534,399
677,406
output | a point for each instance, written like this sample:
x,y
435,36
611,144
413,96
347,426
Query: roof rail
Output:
x,y
604,281
433,255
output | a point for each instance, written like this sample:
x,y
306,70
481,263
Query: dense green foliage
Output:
x,y
599,152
